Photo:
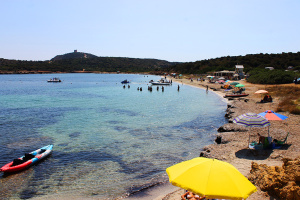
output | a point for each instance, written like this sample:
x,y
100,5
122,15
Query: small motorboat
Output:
x,y
27,160
125,81
54,80
161,82
235,95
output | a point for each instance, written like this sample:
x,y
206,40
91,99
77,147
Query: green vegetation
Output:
x,y
250,62
78,61
254,65
265,76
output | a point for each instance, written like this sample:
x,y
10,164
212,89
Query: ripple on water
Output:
x,y
104,136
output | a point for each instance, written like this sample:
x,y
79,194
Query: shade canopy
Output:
x,y
271,115
251,120
212,178
234,83
261,92
239,85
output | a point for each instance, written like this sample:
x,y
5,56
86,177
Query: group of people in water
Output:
x,y
150,88
157,88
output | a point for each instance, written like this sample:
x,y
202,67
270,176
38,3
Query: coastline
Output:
x,y
235,147
234,150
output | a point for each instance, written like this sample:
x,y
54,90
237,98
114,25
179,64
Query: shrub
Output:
x,y
263,76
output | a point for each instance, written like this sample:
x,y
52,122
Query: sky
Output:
x,y
172,30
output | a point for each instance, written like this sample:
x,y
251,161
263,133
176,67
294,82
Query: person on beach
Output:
x,y
191,196
261,139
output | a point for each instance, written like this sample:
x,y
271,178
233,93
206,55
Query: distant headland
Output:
x,y
88,63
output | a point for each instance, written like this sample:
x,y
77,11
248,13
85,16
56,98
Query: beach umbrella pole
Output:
x,y
249,140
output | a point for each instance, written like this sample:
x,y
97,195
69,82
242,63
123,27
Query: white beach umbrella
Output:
x,y
261,92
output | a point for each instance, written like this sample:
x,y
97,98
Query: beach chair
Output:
x,y
283,141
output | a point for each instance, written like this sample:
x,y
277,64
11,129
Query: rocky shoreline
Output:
x,y
233,147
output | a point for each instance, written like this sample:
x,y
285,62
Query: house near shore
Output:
x,y
239,70
231,75
225,73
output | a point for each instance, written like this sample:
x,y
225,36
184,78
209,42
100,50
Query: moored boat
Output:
x,y
54,80
161,82
125,81
27,160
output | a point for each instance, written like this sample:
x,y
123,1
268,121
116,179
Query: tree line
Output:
x,y
101,64
251,61
254,65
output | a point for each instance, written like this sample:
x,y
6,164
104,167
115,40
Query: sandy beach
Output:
x,y
234,147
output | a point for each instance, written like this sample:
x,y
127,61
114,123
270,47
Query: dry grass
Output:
x,y
289,98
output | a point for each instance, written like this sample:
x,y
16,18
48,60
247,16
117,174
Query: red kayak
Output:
x,y
27,160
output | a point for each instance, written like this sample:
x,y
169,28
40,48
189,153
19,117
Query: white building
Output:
x,y
239,70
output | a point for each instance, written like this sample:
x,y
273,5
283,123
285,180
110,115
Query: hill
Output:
x,y
73,55
79,61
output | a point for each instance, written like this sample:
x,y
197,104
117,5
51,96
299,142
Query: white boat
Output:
x,y
56,80
161,82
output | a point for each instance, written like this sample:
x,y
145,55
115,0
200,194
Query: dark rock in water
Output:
x,y
204,154
231,127
230,106
228,110
228,115
74,134
218,139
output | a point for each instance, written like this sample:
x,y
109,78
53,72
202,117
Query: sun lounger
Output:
x,y
283,141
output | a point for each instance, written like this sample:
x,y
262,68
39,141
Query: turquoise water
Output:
x,y
109,141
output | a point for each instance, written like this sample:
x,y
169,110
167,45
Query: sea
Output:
x,y
110,140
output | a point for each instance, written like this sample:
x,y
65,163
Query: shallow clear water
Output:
x,y
108,140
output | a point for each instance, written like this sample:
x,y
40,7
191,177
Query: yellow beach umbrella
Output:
x,y
212,178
